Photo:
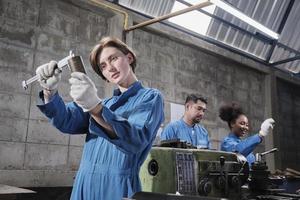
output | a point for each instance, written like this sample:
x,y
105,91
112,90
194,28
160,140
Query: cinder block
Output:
x,y
164,59
45,156
13,129
206,66
257,113
165,44
75,154
12,155
35,113
223,132
55,44
204,87
160,74
257,98
210,115
242,76
241,95
92,27
11,80
186,64
17,33
77,139
144,52
145,70
37,178
14,105
224,75
182,80
167,112
43,132
142,37
59,18
255,124
257,82
224,92
25,11
166,89
16,58
181,94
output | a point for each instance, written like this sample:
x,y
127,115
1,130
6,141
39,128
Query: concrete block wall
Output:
x,y
33,32
289,125
178,69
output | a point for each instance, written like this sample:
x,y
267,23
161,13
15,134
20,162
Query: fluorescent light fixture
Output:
x,y
199,26
245,18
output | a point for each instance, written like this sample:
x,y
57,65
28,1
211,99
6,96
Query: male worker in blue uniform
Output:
x,y
119,130
188,129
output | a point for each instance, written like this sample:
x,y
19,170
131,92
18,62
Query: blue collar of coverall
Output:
x,y
132,89
232,135
187,125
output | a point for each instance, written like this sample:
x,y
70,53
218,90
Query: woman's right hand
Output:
x,y
49,75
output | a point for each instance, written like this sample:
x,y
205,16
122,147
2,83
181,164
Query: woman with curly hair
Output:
x,y
239,126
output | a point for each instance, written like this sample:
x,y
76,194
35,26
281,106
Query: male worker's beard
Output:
x,y
197,120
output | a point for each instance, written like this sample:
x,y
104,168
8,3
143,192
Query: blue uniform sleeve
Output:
x,y
245,147
139,129
168,133
68,118
208,140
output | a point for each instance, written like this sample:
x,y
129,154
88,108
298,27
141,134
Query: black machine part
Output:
x,y
157,196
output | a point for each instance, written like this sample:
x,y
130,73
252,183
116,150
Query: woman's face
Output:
x,y
115,66
241,126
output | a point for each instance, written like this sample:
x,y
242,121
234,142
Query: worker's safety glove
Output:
x,y
49,75
83,91
266,127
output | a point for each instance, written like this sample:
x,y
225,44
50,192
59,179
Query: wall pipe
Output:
x,y
125,24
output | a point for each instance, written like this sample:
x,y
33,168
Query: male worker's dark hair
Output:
x,y
109,42
194,98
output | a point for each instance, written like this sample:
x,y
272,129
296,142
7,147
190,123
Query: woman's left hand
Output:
x,y
83,91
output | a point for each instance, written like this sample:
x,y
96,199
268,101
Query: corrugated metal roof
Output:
x,y
270,13
152,8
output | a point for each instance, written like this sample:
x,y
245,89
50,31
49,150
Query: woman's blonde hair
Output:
x,y
109,42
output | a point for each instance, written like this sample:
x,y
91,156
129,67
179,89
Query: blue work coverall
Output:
x,y
109,168
233,143
196,135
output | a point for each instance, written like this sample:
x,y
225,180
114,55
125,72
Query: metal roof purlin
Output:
x,y
179,12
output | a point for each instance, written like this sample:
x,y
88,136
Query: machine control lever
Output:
x,y
258,156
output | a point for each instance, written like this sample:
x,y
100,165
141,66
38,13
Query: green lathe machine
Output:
x,y
197,172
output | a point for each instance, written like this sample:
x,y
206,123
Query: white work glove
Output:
x,y
83,91
266,127
49,75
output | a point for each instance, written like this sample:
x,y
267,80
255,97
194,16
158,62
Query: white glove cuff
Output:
x,y
92,105
262,134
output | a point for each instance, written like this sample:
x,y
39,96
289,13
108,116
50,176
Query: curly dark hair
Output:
x,y
230,112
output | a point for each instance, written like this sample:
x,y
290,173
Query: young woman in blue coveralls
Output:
x,y
239,127
119,130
